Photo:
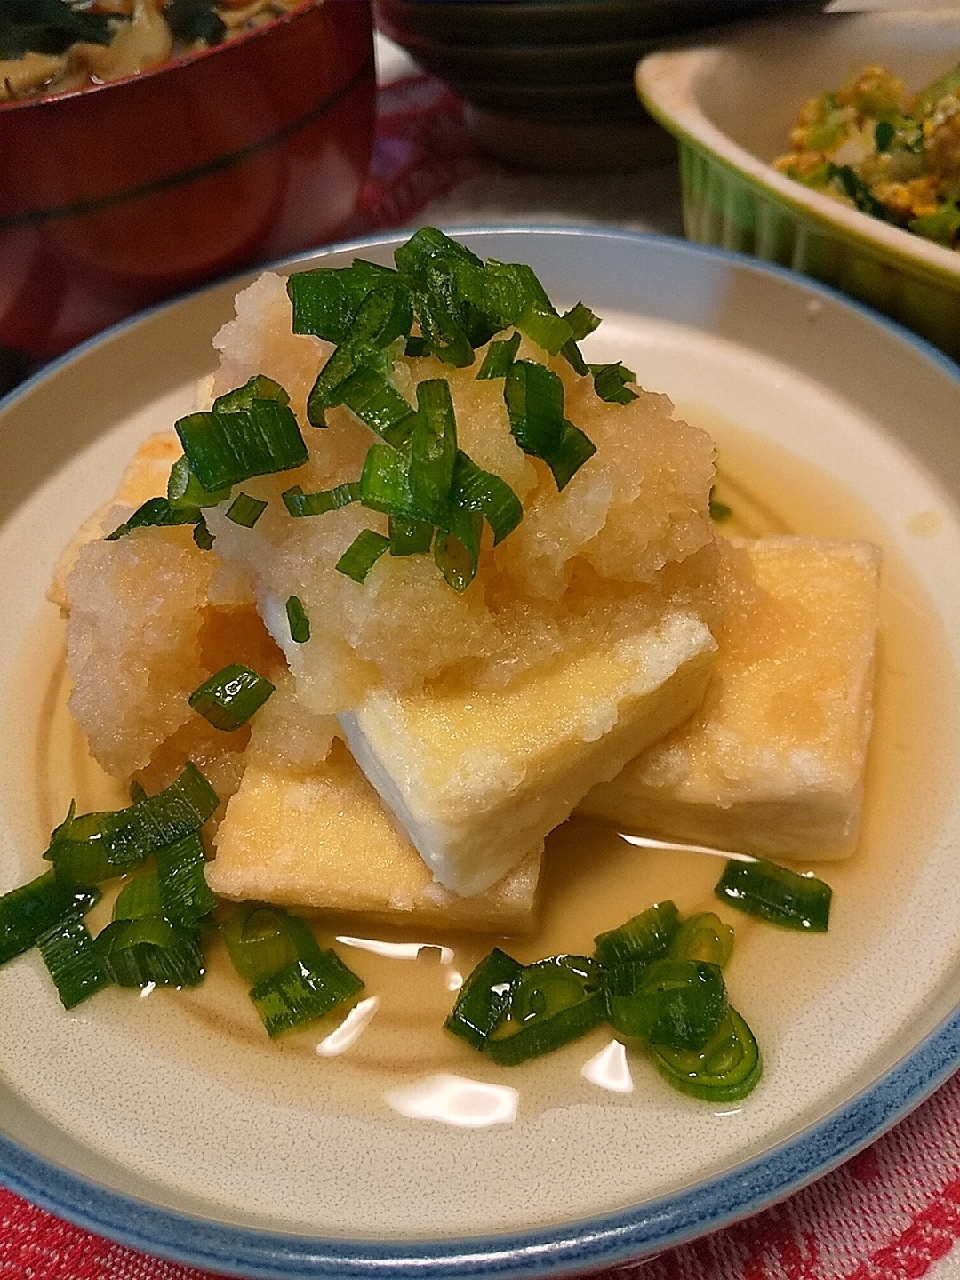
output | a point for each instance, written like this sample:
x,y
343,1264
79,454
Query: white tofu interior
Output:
x,y
476,779
323,841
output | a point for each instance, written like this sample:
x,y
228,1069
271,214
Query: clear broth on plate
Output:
x,y
592,880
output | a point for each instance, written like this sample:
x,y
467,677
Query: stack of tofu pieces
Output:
x,y
433,808
754,741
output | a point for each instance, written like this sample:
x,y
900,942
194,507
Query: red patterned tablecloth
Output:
x,y
891,1213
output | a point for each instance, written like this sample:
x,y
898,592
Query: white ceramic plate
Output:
x,y
158,1123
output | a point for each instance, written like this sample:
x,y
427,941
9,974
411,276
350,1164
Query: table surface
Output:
x,y
890,1213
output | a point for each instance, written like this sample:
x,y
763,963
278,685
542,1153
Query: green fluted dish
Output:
x,y
730,106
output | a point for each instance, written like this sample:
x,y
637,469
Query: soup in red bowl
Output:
x,y
120,193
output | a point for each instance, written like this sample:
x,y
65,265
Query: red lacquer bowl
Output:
x,y
124,193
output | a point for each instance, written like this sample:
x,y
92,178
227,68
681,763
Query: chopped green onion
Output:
x,y
776,894
79,849
327,302
644,938
300,504
324,393
298,621
499,357
96,846
674,1002
457,551
185,490
140,896
434,496
409,537
225,448
262,940
202,535
581,320
294,981
509,293
433,450
572,451
30,910
534,399
571,353
175,892
156,513
177,811
551,1003
483,998
703,936
477,490
231,696
245,510
435,485
427,246
725,1069
378,404
718,511
303,991
382,316
610,382
73,960
150,949
502,291
362,554
438,273
185,896
259,387
660,980
542,325
385,483
180,809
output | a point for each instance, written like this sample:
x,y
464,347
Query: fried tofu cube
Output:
x,y
323,841
772,763
476,779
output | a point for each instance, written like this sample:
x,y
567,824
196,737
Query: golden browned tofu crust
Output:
x,y
772,762
324,841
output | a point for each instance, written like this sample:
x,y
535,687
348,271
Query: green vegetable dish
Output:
x,y
893,155
58,46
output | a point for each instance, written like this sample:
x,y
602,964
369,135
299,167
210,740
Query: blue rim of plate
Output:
x,y
560,1249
